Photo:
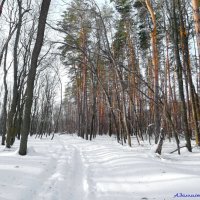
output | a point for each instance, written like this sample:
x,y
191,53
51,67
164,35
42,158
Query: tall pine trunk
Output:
x,y
179,72
196,16
156,69
186,58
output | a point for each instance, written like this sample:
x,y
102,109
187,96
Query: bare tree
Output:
x,y
1,6
31,76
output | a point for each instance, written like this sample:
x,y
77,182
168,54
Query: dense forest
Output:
x,y
132,69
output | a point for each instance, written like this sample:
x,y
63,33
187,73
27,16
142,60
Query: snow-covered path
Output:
x,y
70,168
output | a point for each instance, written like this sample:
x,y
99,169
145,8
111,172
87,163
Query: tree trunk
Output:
x,y
4,113
196,16
31,76
186,58
156,69
11,124
160,143
180,80
1,6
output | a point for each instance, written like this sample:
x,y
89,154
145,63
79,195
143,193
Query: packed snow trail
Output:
x,y
70,168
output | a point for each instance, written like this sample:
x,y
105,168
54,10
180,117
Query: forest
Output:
x,y
99,99
128,69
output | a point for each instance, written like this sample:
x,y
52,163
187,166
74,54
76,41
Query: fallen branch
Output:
x,y
177,149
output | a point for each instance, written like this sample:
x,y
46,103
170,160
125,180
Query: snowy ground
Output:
x,y
69,168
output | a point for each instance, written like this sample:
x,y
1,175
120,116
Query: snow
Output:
x,y
70,168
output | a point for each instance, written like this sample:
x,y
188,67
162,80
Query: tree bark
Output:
x,y
11,124
196,16
156,69
1,6
186,58
32,75
160,143
4,112
180,79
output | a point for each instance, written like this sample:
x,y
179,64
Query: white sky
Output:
x,y
58,6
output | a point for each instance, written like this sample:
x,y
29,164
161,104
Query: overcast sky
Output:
x,y
58,6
